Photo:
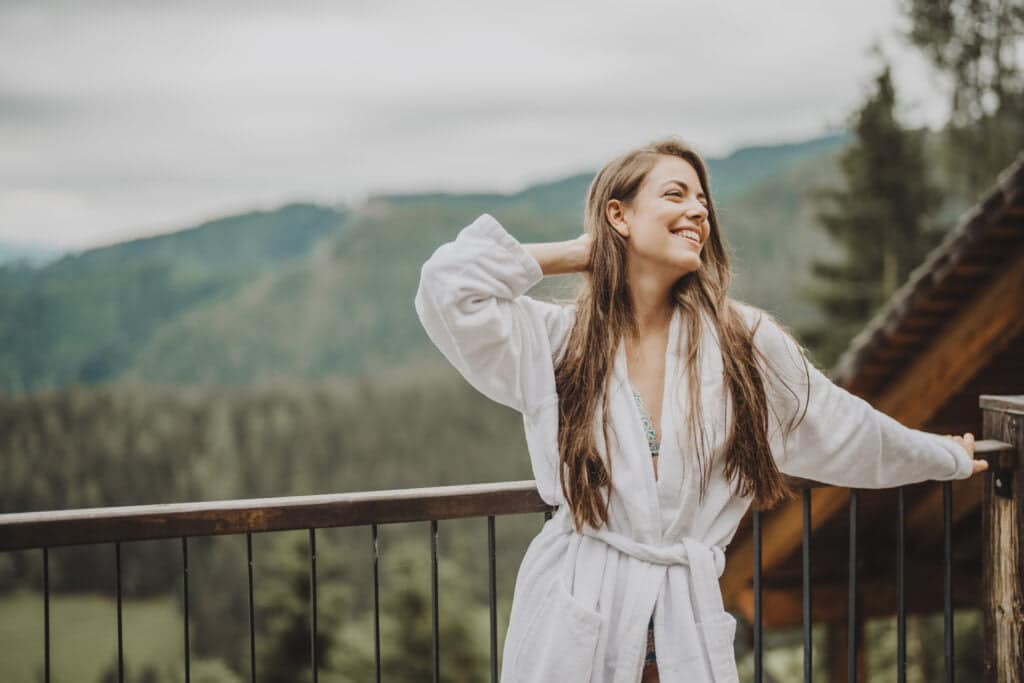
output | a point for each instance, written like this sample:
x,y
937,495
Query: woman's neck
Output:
x,y
652,302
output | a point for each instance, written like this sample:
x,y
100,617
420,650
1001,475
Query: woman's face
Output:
x,y
666,224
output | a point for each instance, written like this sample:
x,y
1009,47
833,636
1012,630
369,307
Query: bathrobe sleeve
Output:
x,y
471,303
842,439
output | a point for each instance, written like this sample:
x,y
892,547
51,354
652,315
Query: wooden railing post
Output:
x,y
1003,541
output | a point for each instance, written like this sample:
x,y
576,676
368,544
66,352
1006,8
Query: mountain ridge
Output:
x,y
308,291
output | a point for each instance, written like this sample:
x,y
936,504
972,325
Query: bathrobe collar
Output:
x,y
672,496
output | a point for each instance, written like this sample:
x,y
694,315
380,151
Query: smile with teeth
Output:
x,y
688,234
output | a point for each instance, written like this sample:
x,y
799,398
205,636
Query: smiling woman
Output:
x,y
632,556
665,207
657,410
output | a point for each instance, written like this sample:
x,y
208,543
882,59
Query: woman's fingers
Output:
x,y
979,465
967,442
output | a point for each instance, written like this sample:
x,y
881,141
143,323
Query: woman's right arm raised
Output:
x,y
471,301
558,258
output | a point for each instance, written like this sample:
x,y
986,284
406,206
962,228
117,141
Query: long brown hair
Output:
x,y
604,312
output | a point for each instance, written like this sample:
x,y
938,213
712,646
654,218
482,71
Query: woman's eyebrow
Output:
x,y
685,186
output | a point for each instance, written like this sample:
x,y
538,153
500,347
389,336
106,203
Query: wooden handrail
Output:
x,y
23,530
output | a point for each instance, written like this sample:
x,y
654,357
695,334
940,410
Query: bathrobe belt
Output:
x,y
706,562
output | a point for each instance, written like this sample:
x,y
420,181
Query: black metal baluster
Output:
x,y
947,583
252,611
492,596
46,615
184,574
901,597
313,630
806,571
376,601
433,600
851,624
757,597
120,629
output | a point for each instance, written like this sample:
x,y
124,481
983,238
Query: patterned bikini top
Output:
x,y
645,417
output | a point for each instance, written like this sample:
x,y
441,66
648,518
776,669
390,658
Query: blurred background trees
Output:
x,y
883,219
976,47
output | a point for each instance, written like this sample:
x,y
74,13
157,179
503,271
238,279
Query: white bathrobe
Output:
x,y
582,602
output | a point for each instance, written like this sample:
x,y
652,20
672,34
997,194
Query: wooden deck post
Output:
x,y
837,638
1003,541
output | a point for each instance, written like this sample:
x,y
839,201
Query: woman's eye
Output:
x,y
675,193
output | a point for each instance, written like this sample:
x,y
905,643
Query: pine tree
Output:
x,y
284,611
881,221
977,45
406,628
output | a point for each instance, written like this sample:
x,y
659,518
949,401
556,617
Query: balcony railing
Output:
x,y
1002,548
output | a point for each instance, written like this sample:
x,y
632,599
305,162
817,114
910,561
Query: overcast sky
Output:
x,y
130,118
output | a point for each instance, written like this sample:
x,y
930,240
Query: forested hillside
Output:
x,y
308,291
83,318
129,445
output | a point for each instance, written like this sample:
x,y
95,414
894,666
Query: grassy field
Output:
x,y
83,636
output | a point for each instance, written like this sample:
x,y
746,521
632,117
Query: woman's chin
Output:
x,y
688,265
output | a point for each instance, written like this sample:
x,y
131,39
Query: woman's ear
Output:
x,y
616,214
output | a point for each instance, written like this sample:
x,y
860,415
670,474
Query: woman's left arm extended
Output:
x,y
842,439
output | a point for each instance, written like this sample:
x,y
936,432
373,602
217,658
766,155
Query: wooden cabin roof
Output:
x,y
972,255
953,331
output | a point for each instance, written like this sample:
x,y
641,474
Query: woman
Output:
x,y
656,411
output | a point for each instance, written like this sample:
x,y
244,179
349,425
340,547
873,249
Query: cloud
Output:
x,y
124,118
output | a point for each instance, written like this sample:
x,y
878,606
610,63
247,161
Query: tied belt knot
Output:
x,y
706,563
700,556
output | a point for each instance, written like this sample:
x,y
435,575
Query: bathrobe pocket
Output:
x,y
719,632
559,643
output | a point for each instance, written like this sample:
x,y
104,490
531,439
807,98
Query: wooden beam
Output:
x,y
924,520
781,533
782,608
1002,542
960,351
972,338
838,654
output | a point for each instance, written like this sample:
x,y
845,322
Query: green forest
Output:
x,y
308,291
88,447
277,352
